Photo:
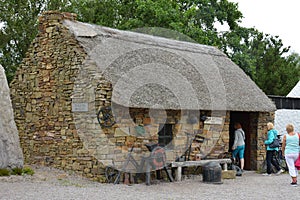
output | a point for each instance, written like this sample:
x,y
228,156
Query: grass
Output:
x,y
27,171
4,172
16,171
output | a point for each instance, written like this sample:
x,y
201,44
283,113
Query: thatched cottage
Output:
x,y
85,94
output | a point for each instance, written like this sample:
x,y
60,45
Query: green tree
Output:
x,y
192,18
104,12
196,19
261,56
264,58
19,18
19,28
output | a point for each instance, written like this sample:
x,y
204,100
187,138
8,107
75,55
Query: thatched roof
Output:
x,y
148,71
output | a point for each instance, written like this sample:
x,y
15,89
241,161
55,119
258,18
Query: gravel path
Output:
x,y
53,184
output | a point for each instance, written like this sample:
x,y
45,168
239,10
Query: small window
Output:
x,y
165,135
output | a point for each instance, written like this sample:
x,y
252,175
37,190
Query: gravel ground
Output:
x,y
49,183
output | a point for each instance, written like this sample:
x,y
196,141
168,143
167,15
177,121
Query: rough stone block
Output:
x,y
229,174
11,155
119,132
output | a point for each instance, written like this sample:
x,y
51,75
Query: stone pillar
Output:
x,y
11,155
263,119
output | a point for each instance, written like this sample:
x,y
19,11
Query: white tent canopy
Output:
x,y
295,92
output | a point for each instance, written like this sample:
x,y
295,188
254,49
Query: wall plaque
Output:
x,y
80,107
214,120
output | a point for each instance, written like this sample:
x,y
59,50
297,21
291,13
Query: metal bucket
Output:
x,y
212,173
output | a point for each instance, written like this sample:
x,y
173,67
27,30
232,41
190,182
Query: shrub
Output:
x,y
4,172
16,171
27,171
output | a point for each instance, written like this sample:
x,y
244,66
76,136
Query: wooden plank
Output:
x,y
199,162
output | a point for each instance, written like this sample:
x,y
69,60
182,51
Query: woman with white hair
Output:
x,y
290,150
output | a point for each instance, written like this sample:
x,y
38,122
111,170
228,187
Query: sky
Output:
x,y
275,17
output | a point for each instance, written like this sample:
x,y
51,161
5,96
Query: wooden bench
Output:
x,y
179,165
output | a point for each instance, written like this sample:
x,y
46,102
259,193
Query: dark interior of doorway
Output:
x,y
244,119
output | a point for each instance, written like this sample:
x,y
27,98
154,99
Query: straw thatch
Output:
x,y
154,72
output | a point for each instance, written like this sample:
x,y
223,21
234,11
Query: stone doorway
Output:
x,y
244,119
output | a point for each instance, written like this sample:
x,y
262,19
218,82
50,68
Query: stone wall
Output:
x,y
260,151
253,139
10,151
41,94
139,126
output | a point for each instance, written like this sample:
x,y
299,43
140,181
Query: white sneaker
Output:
x,y
280,171
266,174
294,184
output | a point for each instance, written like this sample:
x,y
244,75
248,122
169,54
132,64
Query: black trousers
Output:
x,y
271,160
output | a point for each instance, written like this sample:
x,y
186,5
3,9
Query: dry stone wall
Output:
x,y
11,155
41,95
259,148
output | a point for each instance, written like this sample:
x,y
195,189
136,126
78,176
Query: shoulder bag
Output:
x,y
297,163
275,143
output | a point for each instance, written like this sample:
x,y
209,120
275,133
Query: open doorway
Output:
x,y
244,119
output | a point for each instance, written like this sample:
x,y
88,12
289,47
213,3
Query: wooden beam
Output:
x,y
199,162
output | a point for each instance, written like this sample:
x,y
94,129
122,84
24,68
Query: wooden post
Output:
x,y
169,174
126,178
178,175
148,175
225,167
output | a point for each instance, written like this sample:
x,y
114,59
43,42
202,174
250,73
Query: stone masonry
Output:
x,y
41,95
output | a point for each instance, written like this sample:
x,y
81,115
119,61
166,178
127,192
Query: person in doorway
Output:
x,y
271,152
238,146
290,150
